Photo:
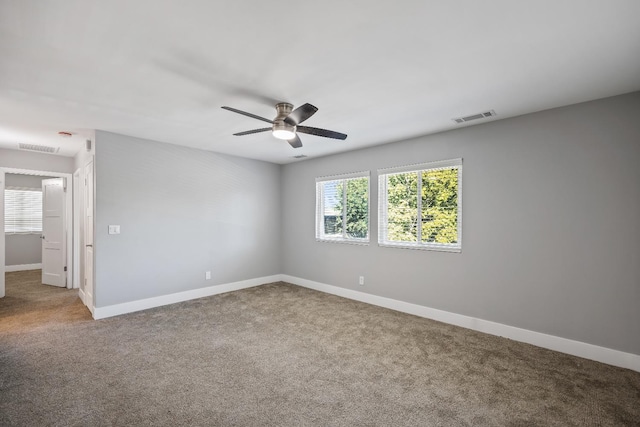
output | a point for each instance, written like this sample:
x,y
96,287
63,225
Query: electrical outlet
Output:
x,y
207,275
361,281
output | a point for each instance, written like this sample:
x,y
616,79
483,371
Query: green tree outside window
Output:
x,y
438,221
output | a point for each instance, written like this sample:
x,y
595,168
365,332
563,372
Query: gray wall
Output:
x,y
23,248
182,212
551,241
24,181
35,161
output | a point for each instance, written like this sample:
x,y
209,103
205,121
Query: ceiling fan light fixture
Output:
x,y
283,134
283,130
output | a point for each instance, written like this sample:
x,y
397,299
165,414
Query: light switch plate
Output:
x,y
114,229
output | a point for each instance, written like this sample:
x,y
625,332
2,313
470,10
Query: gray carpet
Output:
x,y
281,355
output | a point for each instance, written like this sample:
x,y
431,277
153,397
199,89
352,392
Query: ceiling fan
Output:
x,y
287,123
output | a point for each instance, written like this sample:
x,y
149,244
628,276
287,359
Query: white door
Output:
x,y
88,236
53,233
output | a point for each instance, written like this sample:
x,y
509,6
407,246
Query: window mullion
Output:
x,y
382,208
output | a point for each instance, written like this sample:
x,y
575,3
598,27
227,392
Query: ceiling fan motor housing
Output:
x,y
283,109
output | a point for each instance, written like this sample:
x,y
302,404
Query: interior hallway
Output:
x,y
29,305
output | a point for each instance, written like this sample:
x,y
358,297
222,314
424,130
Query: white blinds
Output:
x,y
22,210
441,164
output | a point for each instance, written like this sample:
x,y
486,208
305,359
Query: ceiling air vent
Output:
x,y
299,156
38,148
484,115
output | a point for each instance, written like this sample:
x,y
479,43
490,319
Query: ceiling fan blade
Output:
x,y
321,132
249,132
244,113
295,142
300,114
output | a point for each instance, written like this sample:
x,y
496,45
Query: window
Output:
x,y
22,210
420,206
342,208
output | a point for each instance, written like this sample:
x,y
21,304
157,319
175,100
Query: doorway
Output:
x,y
65,208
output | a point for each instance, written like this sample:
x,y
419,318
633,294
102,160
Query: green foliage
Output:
x,y
402,207
439,200
357,207
440,206
437,221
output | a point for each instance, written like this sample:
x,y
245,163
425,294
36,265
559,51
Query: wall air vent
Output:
x,y
38,148
484,115
300,156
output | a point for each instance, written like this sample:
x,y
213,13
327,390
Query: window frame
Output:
x,y
320,236
383,205
7,192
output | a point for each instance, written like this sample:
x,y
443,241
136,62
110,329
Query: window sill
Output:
x,y
22,232
422,247
347,241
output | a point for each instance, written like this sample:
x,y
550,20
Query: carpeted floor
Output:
x,y
281,355
29,305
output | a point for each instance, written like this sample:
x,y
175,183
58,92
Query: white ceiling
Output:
x,y
380,71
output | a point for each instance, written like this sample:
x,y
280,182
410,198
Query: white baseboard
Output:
x,y
144,304
22,267
563,345
81,295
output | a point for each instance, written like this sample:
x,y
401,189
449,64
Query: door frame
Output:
x,y
76,230
89,299
68,221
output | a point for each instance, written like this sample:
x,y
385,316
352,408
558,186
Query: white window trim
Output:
x,y
382,204
320,237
